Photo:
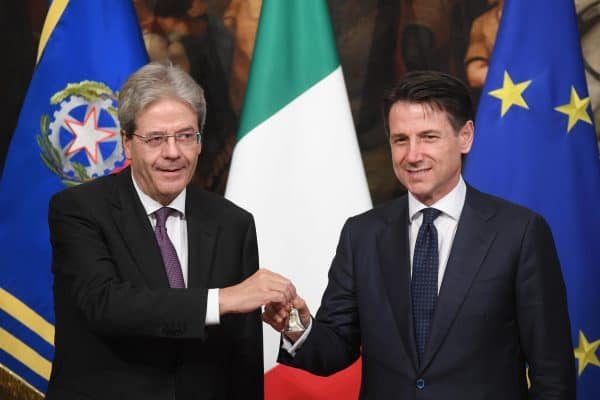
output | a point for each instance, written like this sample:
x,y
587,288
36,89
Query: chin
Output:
x,y
172,189
416,188
419,193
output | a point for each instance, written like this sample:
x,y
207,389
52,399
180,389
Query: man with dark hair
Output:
x,y
156,289
447,292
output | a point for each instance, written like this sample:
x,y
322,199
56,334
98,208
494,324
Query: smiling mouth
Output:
x,y
418,171
170,171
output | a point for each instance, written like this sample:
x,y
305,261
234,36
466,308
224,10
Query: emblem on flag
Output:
x,y
81,141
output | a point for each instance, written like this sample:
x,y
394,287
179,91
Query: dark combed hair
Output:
x,y
437,90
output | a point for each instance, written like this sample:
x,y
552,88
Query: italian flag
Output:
x,y
297,167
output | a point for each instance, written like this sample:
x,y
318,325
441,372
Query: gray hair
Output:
x,y
153,82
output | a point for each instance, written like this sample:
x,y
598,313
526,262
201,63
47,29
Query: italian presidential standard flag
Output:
x,y
297,167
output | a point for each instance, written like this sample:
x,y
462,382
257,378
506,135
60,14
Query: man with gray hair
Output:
x,y
156,284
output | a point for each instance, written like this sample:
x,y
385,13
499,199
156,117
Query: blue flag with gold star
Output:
x,y
67,133
535,145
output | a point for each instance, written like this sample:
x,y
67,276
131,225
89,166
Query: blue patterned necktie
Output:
x,y
424,283
167,250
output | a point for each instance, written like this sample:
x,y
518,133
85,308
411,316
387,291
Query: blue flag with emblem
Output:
x,y
535,145
67,133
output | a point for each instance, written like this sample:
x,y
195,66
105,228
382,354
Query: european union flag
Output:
x,y
67,133
535,145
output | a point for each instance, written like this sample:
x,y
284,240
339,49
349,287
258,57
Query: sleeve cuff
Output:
x,y
292,348
212,308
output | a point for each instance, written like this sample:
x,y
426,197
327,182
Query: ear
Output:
x,y
465,136
126,140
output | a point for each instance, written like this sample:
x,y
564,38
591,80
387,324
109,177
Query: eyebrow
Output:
x,y
189,128
425,132
186,129
428,131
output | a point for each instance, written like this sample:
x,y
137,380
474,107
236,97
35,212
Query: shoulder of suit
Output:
x,y
497,205
94,190
384,213
215,203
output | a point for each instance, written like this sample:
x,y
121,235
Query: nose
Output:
x,y
414,154
171,149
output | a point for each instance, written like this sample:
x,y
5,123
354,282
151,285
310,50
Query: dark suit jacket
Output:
x,y
121,332
501,305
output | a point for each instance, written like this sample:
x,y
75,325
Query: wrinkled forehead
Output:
x,y
167,110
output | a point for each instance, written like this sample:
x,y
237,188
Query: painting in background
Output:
x,y
378,41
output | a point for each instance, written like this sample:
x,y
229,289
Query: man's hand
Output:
x,y
263,287
276,315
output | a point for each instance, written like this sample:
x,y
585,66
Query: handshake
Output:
x,y
273,291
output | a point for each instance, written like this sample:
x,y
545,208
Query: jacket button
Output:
x,y
420,383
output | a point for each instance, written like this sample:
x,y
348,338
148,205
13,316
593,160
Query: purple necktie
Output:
x,y
167,250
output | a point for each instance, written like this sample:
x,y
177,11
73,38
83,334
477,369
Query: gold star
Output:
x,y
511,94
586,353
575,109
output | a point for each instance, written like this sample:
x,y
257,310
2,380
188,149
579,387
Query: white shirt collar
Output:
x,y
451,204
151,205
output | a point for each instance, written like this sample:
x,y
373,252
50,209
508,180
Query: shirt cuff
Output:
x,y
292,348
212,308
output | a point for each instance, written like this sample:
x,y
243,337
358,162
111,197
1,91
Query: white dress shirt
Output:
x,y
451,206
177,231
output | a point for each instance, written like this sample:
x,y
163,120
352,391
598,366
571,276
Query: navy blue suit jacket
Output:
x,y
501,306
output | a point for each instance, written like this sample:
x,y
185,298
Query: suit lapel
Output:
x,y
131,220
202,237
393,248
471,243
